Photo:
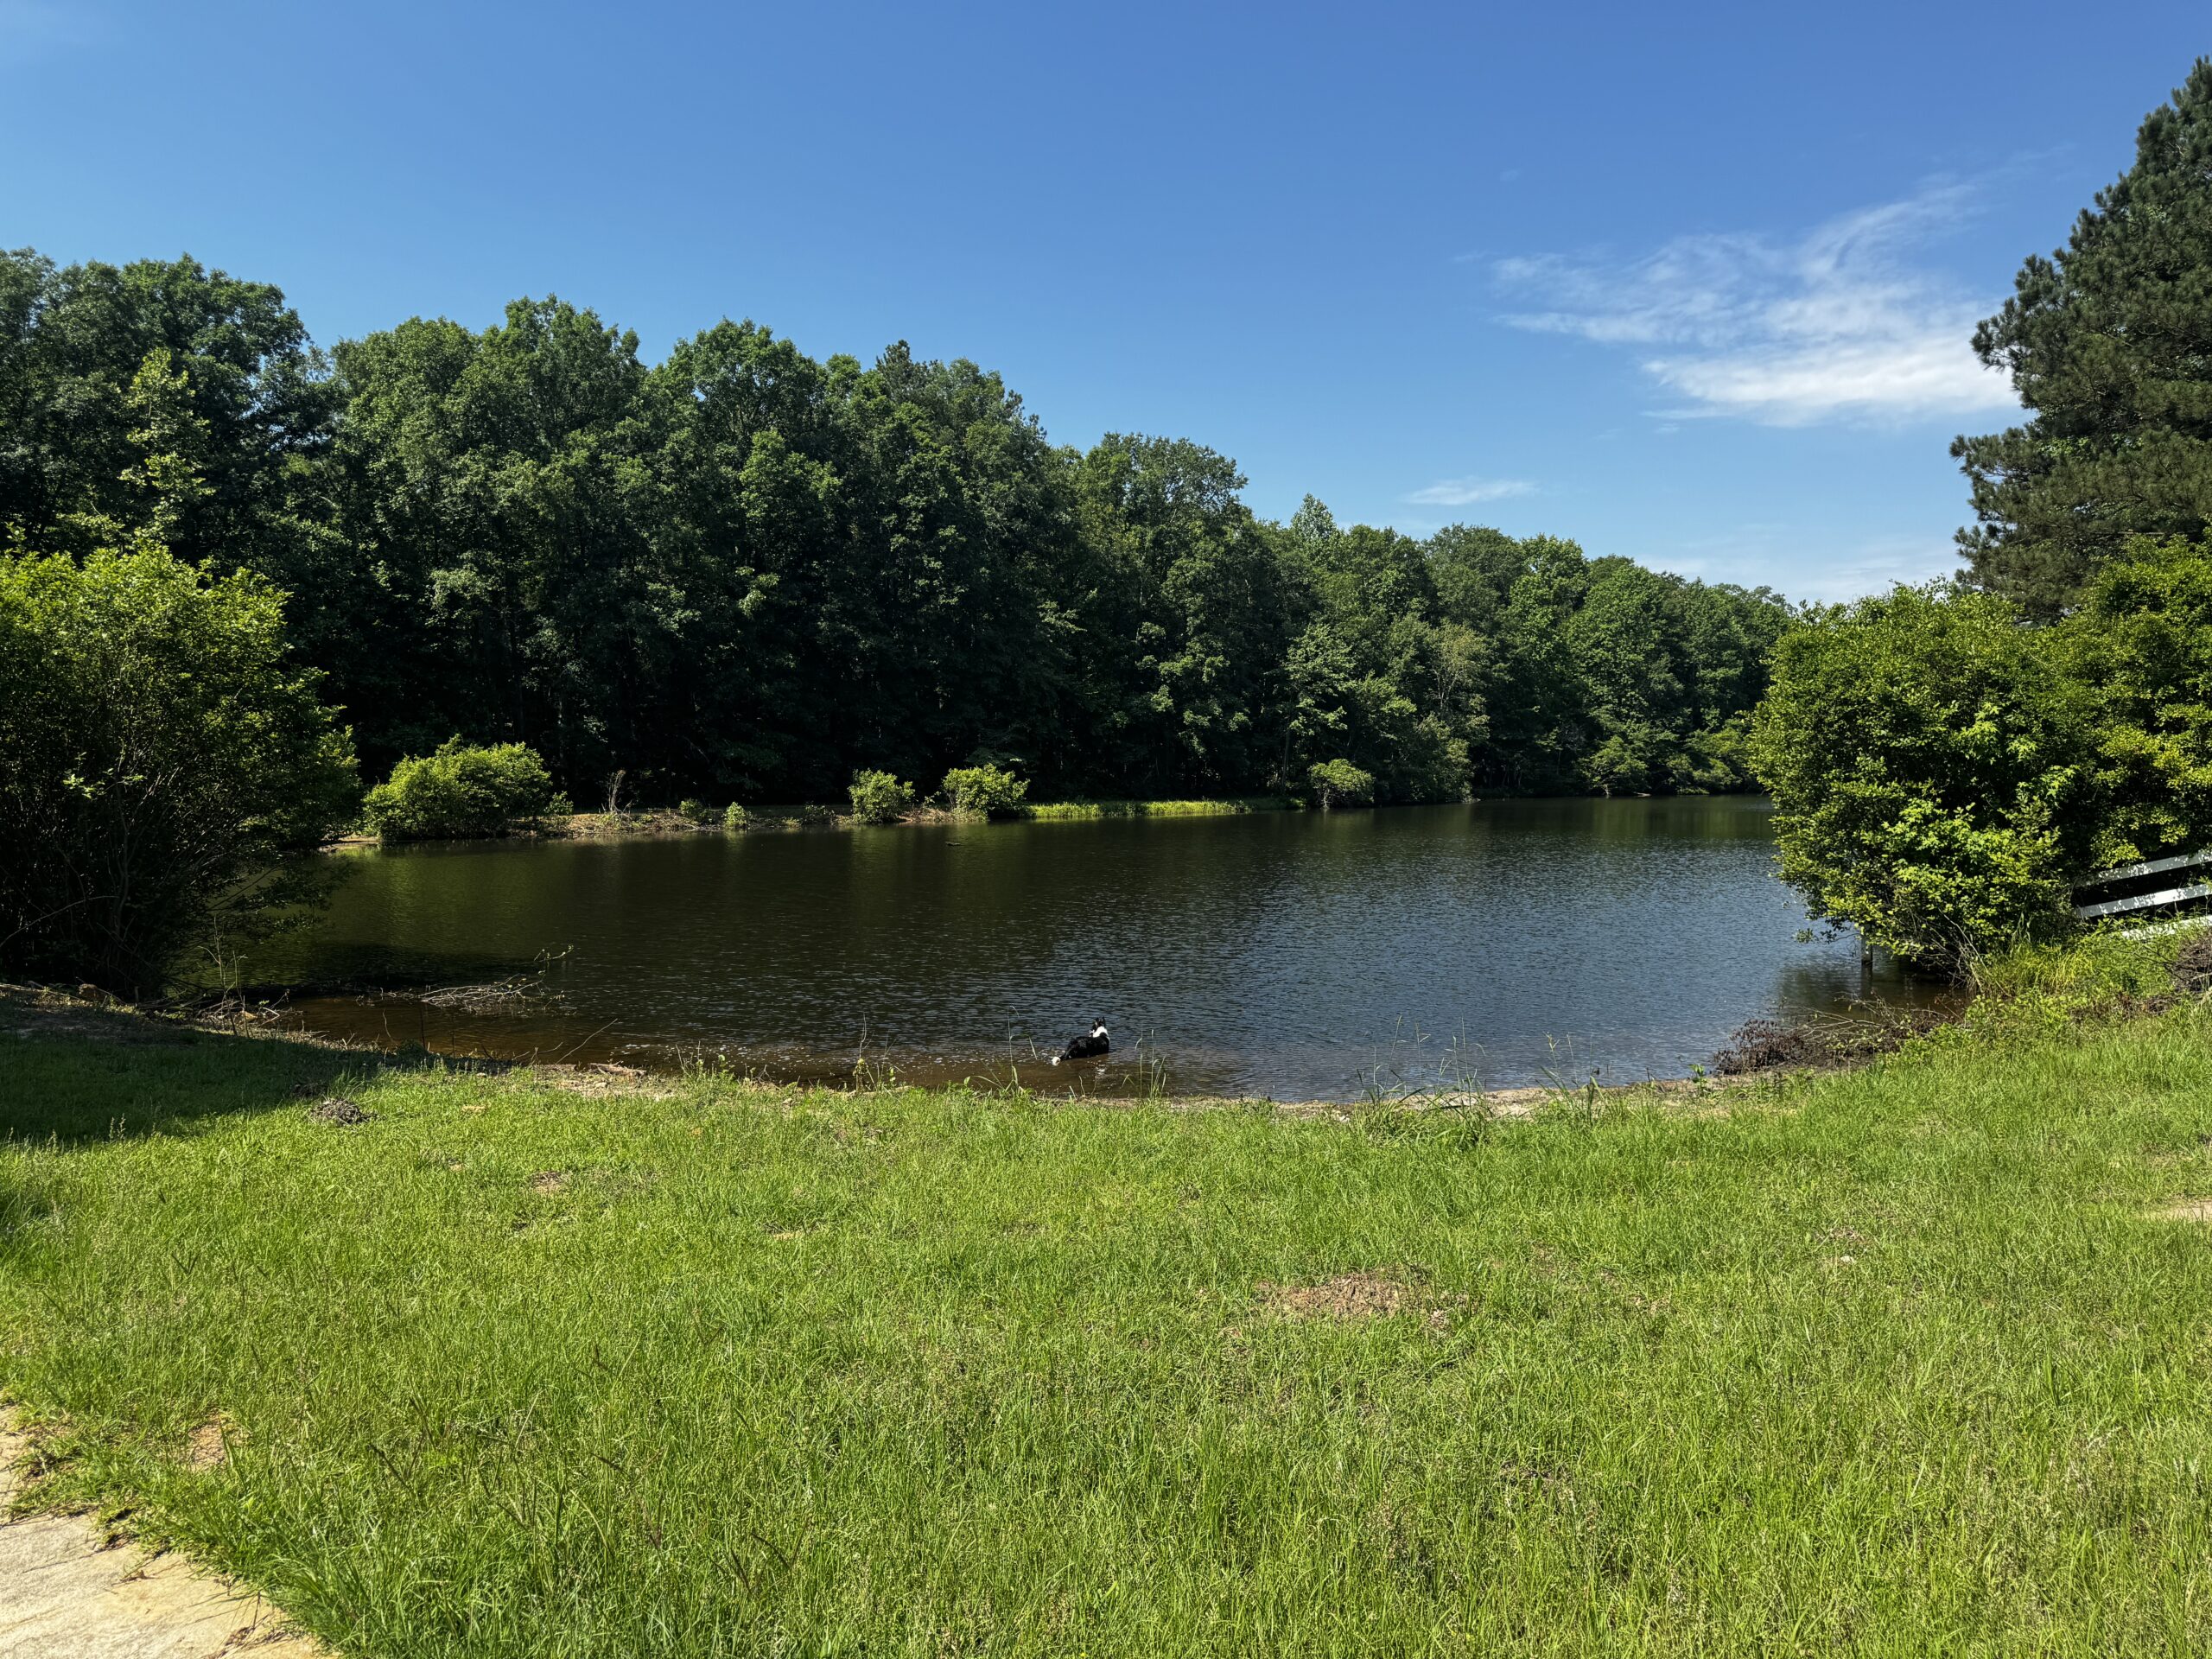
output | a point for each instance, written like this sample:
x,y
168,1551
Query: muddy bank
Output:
x,y
50,1012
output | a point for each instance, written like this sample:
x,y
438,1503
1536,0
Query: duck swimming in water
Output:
x,y
1086,1048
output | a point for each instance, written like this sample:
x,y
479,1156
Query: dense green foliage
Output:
x,y
461,791
1928,772
1943,772
742,573
1903,1360
1339,782
2141,647
2109,343
159,395
879,797
158,750
984,791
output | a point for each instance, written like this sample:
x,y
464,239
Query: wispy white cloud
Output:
x,y
1841,323
1465,492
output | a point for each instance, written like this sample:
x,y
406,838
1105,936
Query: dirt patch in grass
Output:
x,y
604,1079
209,1445
340,1112
1350,1298
2197,1210
548,1182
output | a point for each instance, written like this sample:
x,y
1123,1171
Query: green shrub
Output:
x,y
159,750
461,791
878,798
2142,643
984,791
735,817
1932,770
698,811
1339,782
1623,764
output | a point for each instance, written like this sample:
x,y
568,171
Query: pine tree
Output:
x,y
2109,345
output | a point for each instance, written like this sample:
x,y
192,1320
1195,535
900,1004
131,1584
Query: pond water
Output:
x,y
1300,955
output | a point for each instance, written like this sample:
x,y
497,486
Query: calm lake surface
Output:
x,y
1300,955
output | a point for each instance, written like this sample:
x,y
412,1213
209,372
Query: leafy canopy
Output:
x,y
2141,646
742,573
1932,772
159,752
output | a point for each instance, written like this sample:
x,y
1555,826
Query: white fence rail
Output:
x,y
2162,899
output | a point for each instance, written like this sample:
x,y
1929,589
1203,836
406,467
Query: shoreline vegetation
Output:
x,y
1040,1374
788,816
648,822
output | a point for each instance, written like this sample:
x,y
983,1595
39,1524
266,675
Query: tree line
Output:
x,y
744,573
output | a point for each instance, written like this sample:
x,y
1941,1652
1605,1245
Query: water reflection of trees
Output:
x,y
1286,944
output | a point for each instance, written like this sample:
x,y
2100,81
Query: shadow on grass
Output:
x,y
72,1073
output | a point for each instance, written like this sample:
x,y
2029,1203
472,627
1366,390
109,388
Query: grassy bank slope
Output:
x,y
1901,1361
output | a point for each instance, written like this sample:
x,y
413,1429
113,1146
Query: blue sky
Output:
x,y
1691,284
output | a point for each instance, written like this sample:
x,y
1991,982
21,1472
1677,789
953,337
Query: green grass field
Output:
x,y
1903,1360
